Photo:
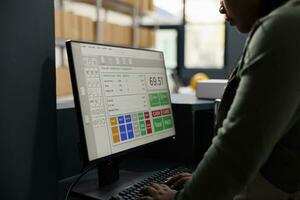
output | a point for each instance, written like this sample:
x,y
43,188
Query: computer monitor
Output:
x,y
121,96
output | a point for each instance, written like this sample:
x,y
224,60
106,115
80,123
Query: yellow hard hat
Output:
x,y
197,77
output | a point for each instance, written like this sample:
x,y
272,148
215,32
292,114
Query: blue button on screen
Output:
x,y
123,137
129,127
127,118
130,134
121,119
122,129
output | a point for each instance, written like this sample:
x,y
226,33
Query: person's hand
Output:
x,y
177,182
158,192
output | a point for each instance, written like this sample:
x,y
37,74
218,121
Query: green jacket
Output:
x,y
259,116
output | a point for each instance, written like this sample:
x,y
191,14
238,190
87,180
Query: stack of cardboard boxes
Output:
x,y
146,38
144,6
123,35
115,34
71,26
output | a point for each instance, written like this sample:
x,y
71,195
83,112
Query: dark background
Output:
x,y
28,161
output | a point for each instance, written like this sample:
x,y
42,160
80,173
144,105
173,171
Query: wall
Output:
x,y
27,101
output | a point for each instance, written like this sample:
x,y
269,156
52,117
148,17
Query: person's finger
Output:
x,y
156,186
164,186
151,190
177,178
180,175
173,179
179,183
145,198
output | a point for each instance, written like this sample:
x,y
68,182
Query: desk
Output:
x,y
194,124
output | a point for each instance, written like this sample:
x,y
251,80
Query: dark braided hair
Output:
x,y
269,5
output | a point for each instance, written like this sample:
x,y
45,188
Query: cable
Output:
x,y
78,179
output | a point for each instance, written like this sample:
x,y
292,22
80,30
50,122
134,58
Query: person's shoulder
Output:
x,y
291,8
276,35
283,20
281,27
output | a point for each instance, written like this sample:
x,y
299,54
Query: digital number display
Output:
x,y
156,81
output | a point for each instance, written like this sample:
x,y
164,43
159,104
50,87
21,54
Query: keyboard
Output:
x,y
134,191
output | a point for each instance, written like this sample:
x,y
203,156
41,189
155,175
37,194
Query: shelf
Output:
x,y
60,43
65,102
118,6
115,5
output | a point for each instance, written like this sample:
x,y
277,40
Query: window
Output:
x,y
204,35
164,14
166,41
166,21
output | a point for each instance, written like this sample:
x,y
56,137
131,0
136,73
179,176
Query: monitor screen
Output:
x,y
122,95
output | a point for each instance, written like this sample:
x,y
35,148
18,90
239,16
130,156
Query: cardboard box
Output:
x,y
144,6
71,26
131,2
146,38
124,36
87,29
117,35
75,27
106,32
143,37
58,24
151,5
67,25
63,82
151,38
127,32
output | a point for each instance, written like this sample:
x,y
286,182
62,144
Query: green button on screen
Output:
x,y
143,128
154,100
164,98
168,122
158,124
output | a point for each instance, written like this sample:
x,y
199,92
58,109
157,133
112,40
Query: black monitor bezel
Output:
x,y
83,147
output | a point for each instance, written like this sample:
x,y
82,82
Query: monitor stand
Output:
x,y
108,172
107,181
